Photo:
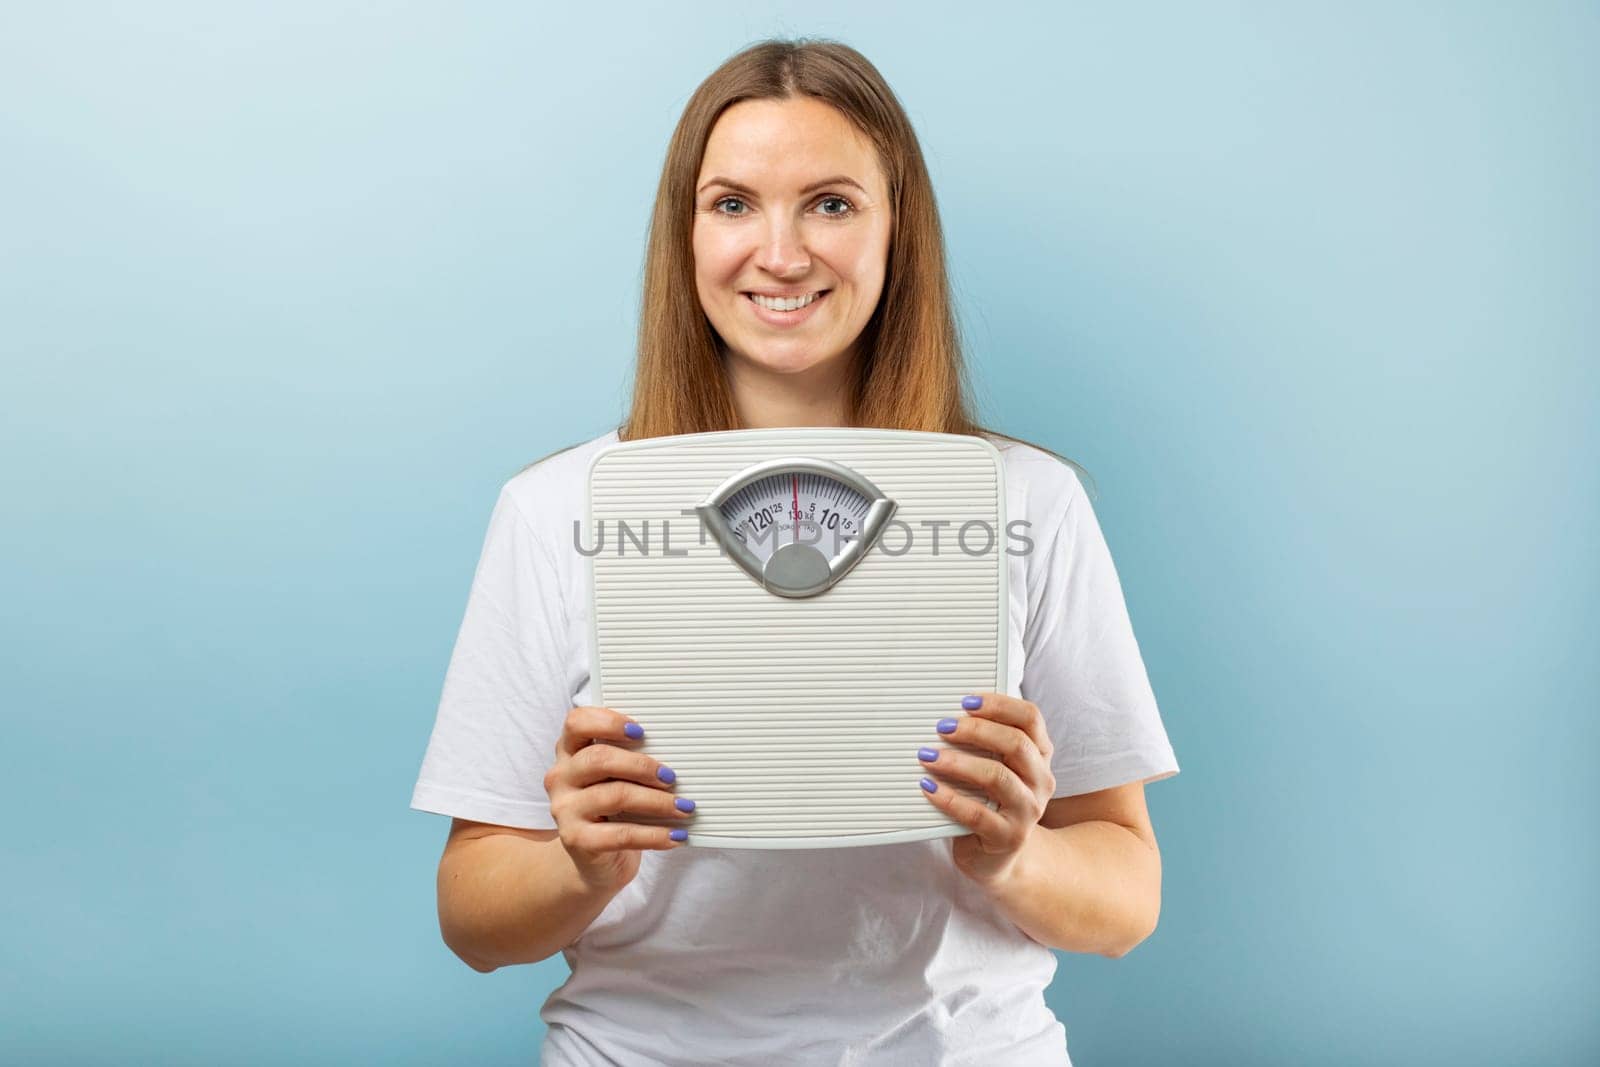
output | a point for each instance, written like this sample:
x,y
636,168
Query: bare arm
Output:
x,y
1089,877
1080,873
509,896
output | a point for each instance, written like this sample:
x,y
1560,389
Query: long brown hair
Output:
x,y
910,374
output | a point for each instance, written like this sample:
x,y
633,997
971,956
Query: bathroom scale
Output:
x,y
789,612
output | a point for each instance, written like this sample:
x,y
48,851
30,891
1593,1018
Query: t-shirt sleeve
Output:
x,y
1082,665
505,695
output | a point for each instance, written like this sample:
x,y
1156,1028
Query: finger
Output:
x,y
586,723
989,776
620,836
601,761
995,832
1014,711
617,798
1014,747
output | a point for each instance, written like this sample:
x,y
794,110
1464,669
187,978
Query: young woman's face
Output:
x,y
790,201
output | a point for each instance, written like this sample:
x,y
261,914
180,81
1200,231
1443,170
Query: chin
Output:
x,y
781,361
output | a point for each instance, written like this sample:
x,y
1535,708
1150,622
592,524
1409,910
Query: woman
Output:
x,y
795,202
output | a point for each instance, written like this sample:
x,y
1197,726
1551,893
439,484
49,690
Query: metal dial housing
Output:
x,y
796,524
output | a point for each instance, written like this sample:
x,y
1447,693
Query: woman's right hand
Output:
x,y
593,778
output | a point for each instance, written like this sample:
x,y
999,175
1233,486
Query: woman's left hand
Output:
x,y
1020,782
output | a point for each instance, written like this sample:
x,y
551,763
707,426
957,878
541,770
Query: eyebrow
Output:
x,y
837,179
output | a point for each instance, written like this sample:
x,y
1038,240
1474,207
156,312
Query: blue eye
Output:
x,y
846,211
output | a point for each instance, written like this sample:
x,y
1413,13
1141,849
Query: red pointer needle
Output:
x,y
796,508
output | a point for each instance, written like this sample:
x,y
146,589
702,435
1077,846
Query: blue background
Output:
x,y
286,294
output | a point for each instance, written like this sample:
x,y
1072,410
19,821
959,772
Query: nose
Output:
x,y
783,250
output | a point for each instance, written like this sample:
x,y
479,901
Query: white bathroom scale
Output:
x,y
789,612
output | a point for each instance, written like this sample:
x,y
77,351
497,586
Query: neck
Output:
x,y
814,397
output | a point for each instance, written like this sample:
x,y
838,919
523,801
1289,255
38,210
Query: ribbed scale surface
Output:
x,y
796,722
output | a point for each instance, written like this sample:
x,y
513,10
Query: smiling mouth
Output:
x,y
786,305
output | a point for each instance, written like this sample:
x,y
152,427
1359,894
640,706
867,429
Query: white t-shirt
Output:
x,y
872,955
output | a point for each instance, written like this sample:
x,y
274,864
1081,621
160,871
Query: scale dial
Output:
x,y
794,508
796,525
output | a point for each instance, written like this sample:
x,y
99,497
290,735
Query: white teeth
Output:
x,y
784,303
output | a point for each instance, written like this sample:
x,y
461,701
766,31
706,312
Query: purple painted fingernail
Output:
x,y
680,834
972,703
929,754
946,726
930,785
633,730
684,804
667,774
